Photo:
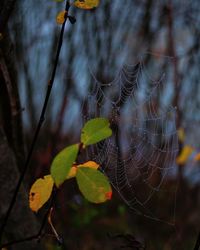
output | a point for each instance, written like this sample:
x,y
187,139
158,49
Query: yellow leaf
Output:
x,y
86,4
61,17
40,192
181,134
197,157
184,155
72,172
88,164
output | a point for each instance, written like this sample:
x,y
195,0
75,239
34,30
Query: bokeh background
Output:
x,y
158,41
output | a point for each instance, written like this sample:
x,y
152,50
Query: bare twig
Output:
x,y
41,120
59,239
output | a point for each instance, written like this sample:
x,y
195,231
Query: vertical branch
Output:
x,y
172,52
41,120
5,12
29,94
12,110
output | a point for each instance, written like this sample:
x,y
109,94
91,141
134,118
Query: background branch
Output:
x,y
41,120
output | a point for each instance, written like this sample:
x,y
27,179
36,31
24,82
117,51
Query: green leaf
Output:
x,y
94,185
62,163
95,130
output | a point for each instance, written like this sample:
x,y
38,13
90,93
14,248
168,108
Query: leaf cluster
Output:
x,y
93,184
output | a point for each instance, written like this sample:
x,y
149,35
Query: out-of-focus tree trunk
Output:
x,y
6,9
10,102
22,222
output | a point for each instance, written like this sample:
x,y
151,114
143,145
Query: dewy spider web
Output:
x,y
140,156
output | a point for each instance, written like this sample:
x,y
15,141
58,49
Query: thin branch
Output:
x,y
14,242
11,95
41,120
197,245
40,233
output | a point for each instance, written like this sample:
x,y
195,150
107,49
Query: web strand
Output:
x,y
139,158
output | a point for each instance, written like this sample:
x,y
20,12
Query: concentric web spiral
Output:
x,y
139,158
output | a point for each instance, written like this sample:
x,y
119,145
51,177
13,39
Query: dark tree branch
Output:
x,y
40,233
38,236
41,120
12,122
22,213
14,242
197,245
7,7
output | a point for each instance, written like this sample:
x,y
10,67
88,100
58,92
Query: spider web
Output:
x,y
139,158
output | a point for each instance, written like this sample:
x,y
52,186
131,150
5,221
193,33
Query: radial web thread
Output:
x,y
139,158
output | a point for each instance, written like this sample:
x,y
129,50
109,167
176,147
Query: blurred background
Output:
x,y
137,63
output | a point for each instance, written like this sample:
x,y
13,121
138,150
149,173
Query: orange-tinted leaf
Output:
x,y
40,192
89,164
61,17
108,195
72,172
184,155
197,157
86,4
